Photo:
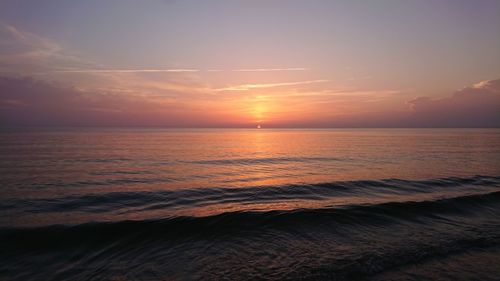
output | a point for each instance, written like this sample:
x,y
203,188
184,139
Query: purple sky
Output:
x,y
239,63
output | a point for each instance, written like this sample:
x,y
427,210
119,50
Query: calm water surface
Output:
x,y
113,204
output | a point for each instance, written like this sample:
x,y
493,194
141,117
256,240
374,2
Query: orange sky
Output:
x,y
244,63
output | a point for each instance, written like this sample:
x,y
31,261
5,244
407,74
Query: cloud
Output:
x,y
180,70
31,102
15,37
106,96
27,53
260,69
124,70
271,69
474,106
25,101
246,87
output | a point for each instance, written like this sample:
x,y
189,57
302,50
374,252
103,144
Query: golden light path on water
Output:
x,y
78,163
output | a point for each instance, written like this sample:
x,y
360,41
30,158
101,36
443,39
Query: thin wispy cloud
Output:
x,y
270,69
259,69
27,40
175,70
349,93
123,70
26,52
246,87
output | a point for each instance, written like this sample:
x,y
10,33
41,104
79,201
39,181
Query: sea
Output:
x,y
249,204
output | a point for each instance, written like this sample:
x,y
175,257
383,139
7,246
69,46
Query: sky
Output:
x,y
243,63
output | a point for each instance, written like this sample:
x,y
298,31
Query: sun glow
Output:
x,y
259,112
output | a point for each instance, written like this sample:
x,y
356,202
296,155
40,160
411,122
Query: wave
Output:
x,y
364,191
377,214
343,242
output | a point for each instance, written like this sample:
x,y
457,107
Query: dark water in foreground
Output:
x,y
250,205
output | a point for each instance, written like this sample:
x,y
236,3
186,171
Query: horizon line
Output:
x,y
229,127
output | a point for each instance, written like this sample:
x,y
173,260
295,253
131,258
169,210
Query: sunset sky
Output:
x,y
232,63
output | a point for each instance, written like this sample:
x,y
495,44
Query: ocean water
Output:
x,y
220,204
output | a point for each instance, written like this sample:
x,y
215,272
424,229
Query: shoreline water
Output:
x,y
279,205
343,242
